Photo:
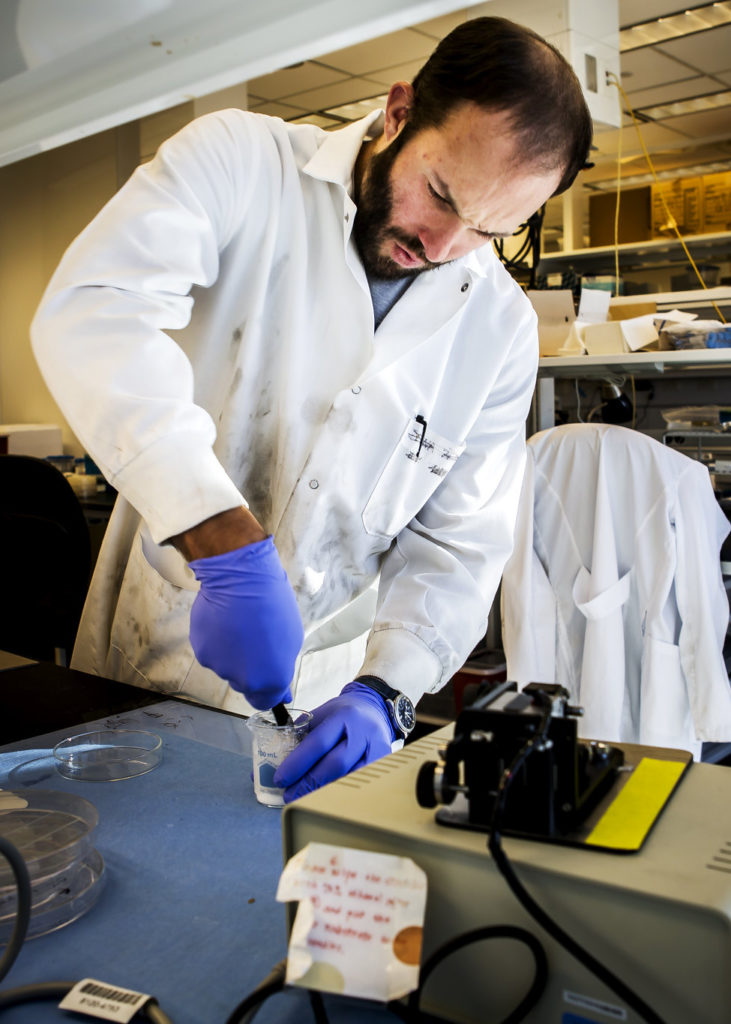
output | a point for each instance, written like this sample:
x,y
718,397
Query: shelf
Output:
x,y
636,364
636,255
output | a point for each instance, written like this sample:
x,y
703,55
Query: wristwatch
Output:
x,y
400,709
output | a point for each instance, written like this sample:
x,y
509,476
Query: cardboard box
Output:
x,y
717,202
39,439
634,216
624,309
683,197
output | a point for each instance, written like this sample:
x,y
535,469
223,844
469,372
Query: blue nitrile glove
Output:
x,y
346,732
245,623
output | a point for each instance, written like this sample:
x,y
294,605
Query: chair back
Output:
x,y
47,559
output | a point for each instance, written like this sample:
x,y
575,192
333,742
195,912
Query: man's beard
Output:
x,y
371,229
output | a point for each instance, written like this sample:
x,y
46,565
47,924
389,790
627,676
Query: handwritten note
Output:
x,y
359,923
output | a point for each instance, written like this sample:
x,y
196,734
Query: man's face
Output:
x,y
427,199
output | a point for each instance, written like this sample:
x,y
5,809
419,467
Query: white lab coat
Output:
x,y
210,339
614,589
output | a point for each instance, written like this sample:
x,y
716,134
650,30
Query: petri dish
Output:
x,y
78,892
43,888
50,830
108,755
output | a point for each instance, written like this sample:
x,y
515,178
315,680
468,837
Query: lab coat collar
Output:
x,y
480,261
335,159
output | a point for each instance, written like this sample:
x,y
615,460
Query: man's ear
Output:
x,y
398,107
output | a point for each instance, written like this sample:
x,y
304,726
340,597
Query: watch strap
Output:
x,y
379,685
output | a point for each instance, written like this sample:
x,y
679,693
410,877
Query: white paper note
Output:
x,y
359,923
594,305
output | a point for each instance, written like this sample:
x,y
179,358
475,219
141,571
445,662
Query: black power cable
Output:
x,y
58,989
531,244
22,915
248,1007
505,868
507,931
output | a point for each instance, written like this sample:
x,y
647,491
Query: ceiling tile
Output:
x,y
400,73
655,135
340,92
437,28
275,109
319,120
704,124
382,52
354,111
707,51
647,68
696,86
288,81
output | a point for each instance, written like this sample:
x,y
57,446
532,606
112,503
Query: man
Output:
x,y
294,350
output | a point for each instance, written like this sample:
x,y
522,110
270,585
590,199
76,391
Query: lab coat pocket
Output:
x,y
665,716
413,472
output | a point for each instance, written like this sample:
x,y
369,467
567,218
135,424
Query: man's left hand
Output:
x,y
346,732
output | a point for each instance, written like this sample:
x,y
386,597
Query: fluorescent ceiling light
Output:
x,y
694,19
610,184
711,101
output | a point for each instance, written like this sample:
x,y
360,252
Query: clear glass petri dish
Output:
x,y
50,830
108,755
79,892
44,888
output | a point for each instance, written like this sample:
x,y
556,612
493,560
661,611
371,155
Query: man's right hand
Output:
x,y
244,624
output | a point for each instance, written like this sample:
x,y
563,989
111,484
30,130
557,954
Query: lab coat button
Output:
x,y
464,287
347,217
314,484
357,389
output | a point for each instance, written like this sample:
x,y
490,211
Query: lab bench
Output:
x,y
187,910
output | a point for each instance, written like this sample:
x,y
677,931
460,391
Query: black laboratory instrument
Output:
x,y
554,790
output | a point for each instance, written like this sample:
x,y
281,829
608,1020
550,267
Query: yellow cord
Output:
x,y
611,77
616,205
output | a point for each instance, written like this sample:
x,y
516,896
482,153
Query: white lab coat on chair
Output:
x,y
614,588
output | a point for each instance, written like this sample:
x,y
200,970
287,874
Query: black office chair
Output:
x,y
46,559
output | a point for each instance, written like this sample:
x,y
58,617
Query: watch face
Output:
x,y
403,710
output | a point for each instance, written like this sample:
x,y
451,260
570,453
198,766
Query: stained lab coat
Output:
x,y
210,339
614,589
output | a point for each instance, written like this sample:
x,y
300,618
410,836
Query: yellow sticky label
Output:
x,y
632,813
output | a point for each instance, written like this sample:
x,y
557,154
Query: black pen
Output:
x,y
281,715
422,423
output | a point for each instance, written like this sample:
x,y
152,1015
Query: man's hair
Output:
x,y
505,67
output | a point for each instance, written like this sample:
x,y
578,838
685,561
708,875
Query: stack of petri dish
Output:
x,y
53,832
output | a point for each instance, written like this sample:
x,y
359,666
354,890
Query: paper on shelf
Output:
x,y
628,335
560,331
359,923
594,305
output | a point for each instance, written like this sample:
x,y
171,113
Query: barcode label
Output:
x,y
96,999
